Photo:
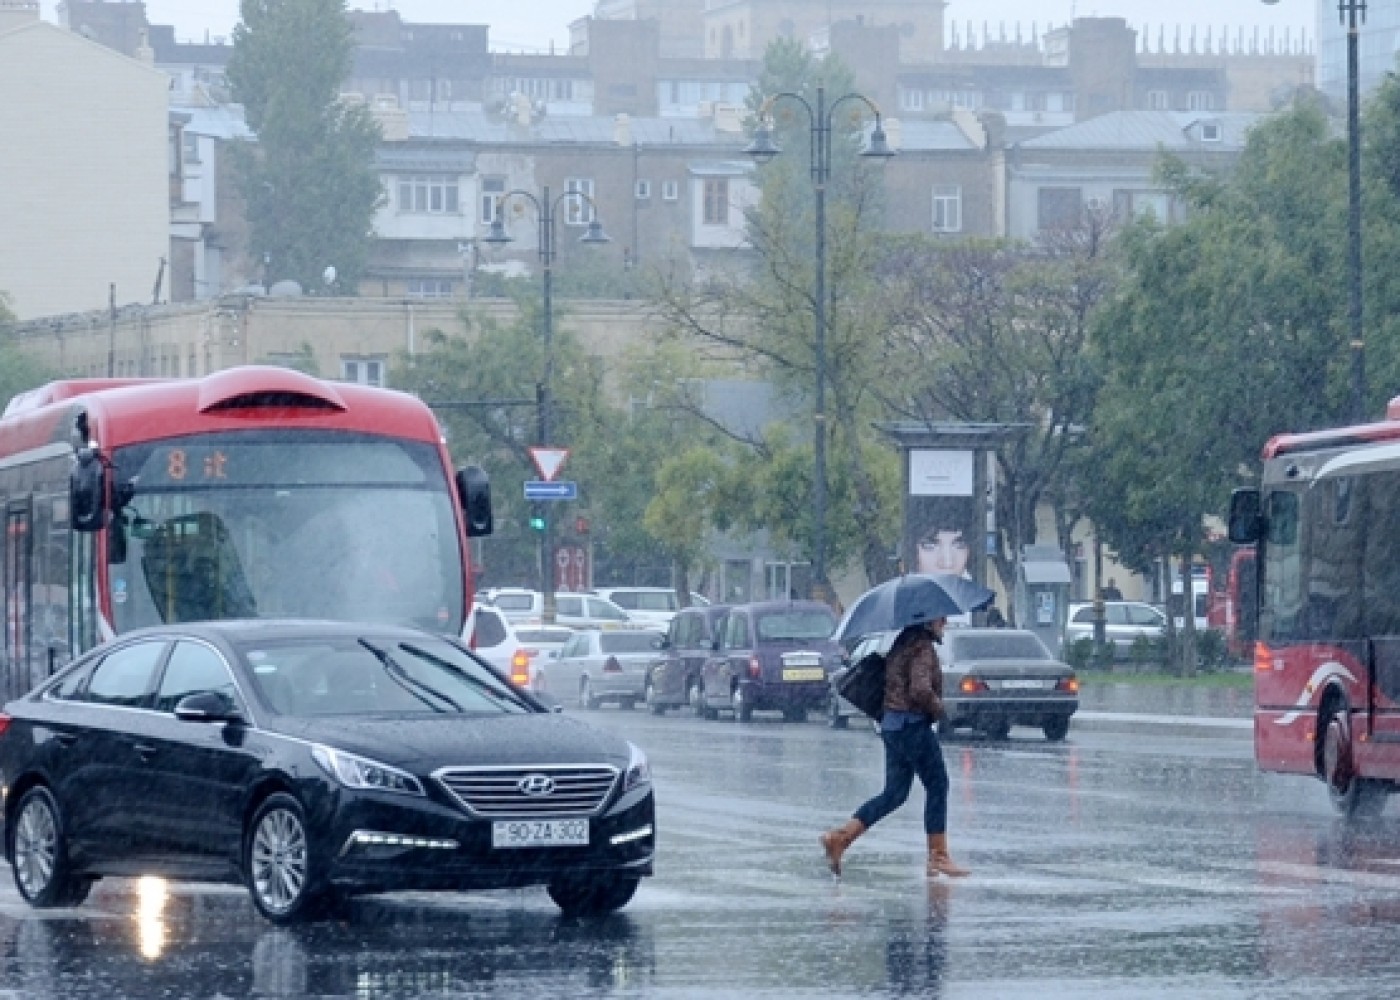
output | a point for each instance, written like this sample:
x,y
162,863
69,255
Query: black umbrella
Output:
x,y
911,599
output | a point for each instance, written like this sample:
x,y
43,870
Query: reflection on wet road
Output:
x,y
1115,865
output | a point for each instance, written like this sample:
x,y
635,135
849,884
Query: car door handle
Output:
x,y
145,751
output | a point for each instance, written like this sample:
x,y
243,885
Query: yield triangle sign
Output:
x,y
549,461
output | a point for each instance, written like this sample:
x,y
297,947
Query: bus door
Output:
x,y
19,519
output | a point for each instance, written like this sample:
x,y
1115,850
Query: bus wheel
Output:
x,y
1352,796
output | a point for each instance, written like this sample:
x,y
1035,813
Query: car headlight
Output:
x,y
638,770
361,772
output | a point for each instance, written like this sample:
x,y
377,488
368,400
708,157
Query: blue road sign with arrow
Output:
x,y
540,489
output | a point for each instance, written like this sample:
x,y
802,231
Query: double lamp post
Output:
x,y
763,149
545,211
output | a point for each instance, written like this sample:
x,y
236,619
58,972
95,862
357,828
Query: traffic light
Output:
x,y
537,521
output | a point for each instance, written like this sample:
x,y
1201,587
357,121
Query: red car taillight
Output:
x,y
971,685
1068,684
520,667
755,668
4,723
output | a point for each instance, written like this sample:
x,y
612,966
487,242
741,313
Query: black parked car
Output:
x,y
313,761
674,679
771,655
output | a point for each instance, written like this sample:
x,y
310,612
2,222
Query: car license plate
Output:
x,y
1021,685
804,674
540,833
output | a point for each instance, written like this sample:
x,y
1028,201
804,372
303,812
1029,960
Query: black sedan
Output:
x,y
312,762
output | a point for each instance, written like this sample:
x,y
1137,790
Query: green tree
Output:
x,y
989,332
19,372
1228,329
760,313
310,183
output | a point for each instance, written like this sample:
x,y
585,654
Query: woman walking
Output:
x,y
913,702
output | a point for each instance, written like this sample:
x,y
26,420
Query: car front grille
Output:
x,y
577,790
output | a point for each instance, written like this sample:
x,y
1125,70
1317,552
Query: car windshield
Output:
x,y
320,677
285,524
783,626
998,647
629,642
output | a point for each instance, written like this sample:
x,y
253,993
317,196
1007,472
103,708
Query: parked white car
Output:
x,y
571,609
490,635
597,666
542,644
650,606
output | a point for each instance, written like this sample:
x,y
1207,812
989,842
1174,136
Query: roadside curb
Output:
x,y
1132,722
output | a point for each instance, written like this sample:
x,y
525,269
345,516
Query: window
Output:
x,y
428,194
1212,132
947,209
578,211
1200,100
1059,208
1159,100
670,191
362,370
124,677
912,100
429,288
492,190
716,209
490,628
643,190
194,669
1283,580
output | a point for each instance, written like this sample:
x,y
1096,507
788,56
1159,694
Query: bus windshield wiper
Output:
x,y
408,682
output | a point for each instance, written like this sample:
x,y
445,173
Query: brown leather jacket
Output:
x,y
913,678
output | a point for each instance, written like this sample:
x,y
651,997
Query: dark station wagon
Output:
x,y
775,655
691,638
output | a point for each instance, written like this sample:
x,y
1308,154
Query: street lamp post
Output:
x,y
763,149
545,212
1352,14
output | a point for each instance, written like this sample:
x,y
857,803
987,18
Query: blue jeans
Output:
x,y
913,750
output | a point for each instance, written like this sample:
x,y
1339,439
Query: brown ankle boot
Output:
x,y
834,842
939,862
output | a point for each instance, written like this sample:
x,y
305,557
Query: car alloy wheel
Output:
x,y
41,867
279,861
650,695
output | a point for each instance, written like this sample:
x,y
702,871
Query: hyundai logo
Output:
x,y
536,785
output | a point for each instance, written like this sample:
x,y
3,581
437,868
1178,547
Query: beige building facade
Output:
x,y
84,190
355,339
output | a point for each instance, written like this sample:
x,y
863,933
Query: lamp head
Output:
x,y
595,234
879,145
762,148
497,234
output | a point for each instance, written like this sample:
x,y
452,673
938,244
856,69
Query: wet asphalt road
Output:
x,y
1135,860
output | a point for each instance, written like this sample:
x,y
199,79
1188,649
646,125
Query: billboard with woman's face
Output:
x,y
942,514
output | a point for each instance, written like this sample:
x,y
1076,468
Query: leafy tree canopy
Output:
x,y
310,184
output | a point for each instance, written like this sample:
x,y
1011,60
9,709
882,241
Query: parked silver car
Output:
x,y
603,665
1124,621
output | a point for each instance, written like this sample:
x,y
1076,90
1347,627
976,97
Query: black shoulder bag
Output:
x,y
863,685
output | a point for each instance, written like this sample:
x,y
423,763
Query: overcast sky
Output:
x,y
537,23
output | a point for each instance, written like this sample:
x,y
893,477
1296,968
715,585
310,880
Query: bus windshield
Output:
x,y
284,524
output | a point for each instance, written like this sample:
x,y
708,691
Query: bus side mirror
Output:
x,y
474,490
87,492
1246,517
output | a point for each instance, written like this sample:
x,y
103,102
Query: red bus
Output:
x,y
253,492
1240,613
1324,527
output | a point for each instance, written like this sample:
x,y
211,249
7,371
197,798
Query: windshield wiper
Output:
x,y
408,682
500,697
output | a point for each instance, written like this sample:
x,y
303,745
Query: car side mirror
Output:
x,y
207,706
